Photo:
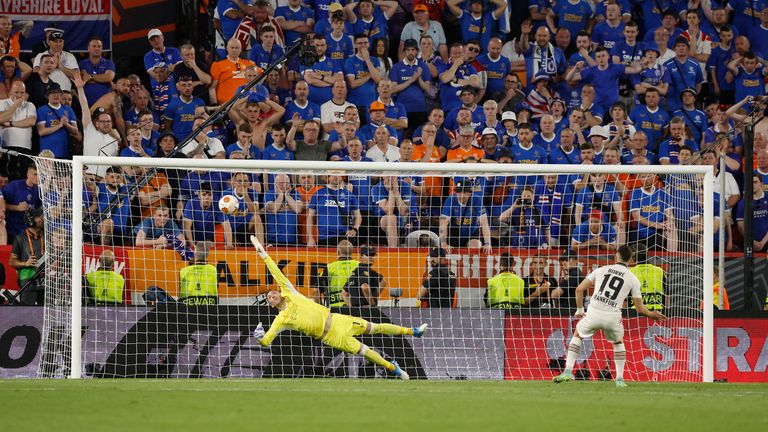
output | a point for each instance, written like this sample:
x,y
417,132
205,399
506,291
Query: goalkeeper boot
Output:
x,y
620,383
399,372
419,331
563,377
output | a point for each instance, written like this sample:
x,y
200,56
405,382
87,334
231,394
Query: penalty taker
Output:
x,y
312,319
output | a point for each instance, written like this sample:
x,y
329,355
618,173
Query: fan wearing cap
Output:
x,y
694,118
661,21
463,220
65,65
598,137
364,284
377,114
56,123
650,76
438,289
594,233
489,141
681,72
159,53
426,23
477,23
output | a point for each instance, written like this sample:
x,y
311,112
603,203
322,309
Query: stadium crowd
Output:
x,y
613,82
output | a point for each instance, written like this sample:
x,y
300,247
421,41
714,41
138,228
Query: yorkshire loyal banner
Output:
x,y
79,19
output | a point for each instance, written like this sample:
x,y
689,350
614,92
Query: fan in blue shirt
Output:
x,y
412,96
200,218
604,77
463,220
340,43
594,233
180,113
573,15
54,135
759,214
648,207
682,72
372,19
477,22
335,213
320,75
598,195
611,31
362,73
554,196
650,118
282,205
748,76
17,193
694,118
496,66
669,149
297,14
746,13
525,152
301,105
110,190
267,52
454,75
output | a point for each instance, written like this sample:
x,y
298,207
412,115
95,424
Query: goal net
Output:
x,y
159,280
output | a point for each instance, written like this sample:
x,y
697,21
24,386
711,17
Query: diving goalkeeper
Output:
x,y
335,330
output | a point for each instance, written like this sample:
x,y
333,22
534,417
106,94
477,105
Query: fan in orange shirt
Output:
x,y
466,150
427,151
229,74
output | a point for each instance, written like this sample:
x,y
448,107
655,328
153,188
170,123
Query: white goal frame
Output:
x,y
295,167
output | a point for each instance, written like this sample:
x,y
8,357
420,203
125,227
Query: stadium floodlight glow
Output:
x,y
469,340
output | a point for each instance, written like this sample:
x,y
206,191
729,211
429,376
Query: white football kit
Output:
x,y
613,283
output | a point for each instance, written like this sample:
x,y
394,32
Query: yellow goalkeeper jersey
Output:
x,y
301,314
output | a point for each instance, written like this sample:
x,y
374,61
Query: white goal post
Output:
x,y
80,163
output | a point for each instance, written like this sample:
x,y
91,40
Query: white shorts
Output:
x,y
610,324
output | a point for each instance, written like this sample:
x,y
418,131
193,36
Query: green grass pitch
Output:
x,y
377,405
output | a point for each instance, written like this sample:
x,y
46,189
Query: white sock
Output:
x,y
620,359
573,351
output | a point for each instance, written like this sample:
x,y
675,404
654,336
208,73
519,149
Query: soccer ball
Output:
x,y
228,204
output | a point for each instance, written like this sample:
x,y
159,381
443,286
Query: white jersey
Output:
x,y
612,285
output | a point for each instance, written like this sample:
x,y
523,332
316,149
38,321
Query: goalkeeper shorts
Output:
x,y
342,333
609,323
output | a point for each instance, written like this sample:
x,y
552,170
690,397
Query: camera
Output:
x,y
525,202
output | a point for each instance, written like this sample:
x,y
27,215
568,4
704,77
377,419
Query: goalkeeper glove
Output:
x,y
259,332
259,248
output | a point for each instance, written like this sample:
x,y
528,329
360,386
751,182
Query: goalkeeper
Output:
x,y
335,330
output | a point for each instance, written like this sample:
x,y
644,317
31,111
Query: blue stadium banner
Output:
x,y
80,19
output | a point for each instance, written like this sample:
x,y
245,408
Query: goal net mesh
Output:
x,y
171,286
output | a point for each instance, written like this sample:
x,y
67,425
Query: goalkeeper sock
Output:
x,y
376,358
573,351
391,329
619,359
